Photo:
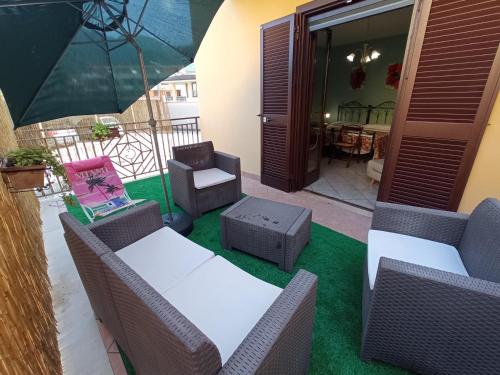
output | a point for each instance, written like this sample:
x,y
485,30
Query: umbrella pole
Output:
x,y
152,123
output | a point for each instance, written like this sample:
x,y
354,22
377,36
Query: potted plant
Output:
x,y
102,132
114,132
25,168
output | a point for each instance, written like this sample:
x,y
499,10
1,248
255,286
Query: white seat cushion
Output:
x,y
211,177
164,257
411,250
376,164
223,301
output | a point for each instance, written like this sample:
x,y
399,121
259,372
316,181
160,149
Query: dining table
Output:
x,y
373,137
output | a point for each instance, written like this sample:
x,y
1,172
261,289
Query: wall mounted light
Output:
x,y
327,115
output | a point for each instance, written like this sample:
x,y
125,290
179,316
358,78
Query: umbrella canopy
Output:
x,y
76,57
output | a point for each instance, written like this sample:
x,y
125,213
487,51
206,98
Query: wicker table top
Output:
x,y
265,213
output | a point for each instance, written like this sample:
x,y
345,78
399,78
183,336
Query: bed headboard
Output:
x,y
354,112
358,113
381,113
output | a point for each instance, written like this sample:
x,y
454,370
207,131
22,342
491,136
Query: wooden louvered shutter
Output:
x,y
276,82
452,74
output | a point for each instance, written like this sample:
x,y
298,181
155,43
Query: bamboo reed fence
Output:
x,y
28,334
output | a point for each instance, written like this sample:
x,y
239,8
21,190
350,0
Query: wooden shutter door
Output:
x,y
276,83
452,75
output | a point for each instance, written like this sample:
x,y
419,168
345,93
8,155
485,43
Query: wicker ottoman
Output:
x,y
270,230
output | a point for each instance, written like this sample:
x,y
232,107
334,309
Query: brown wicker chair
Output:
x,y
203,179
428,319
155,335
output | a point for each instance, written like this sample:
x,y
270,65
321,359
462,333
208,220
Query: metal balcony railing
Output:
x,y
131,150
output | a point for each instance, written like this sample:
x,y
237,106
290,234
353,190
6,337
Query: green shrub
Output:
x,y
100,131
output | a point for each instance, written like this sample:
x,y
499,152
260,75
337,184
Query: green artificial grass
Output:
x,y
336,259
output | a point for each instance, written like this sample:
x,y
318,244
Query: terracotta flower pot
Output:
x,y
24,178
114,133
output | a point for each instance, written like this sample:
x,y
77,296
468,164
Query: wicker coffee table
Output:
x,y
270,230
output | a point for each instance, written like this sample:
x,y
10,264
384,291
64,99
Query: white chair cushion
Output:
x,y
223,301
411,250
164,258
376,164
210,177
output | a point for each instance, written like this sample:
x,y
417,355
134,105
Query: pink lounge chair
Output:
x,y
97,186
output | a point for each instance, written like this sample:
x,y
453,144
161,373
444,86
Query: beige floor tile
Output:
x,y
107,339
117,364
113,348
341,217
82,349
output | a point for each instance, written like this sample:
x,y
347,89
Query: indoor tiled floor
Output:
x,y
350,185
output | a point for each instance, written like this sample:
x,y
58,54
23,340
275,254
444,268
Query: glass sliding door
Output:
x,y
322,49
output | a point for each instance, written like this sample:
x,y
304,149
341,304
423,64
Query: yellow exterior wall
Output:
x,y
228,76
484,180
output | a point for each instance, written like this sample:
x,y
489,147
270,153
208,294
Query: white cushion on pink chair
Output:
x,y
411,250
210,177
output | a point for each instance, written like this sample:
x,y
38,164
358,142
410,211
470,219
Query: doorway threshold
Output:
x,y
340,200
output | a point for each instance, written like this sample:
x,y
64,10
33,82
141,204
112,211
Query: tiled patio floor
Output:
x,y
82,349
86,346
344,218
350,185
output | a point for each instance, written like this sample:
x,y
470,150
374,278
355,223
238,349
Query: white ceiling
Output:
x,y
382,25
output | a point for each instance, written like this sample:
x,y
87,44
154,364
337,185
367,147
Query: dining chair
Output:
x,y
349,141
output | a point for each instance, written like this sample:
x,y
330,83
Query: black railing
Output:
x,y
131,150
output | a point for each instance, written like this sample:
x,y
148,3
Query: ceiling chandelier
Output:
x,y
367,54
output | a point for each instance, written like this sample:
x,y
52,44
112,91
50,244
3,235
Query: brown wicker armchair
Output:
x,y
431,299
203,179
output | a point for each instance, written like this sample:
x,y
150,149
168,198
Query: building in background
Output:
x,y
174,98
179,93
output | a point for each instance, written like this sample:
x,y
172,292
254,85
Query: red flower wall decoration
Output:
x,y
393,75
358,77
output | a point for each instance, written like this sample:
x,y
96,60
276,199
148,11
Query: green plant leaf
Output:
x,y
100,131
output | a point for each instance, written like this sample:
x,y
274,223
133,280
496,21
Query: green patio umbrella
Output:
x,y
78,57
